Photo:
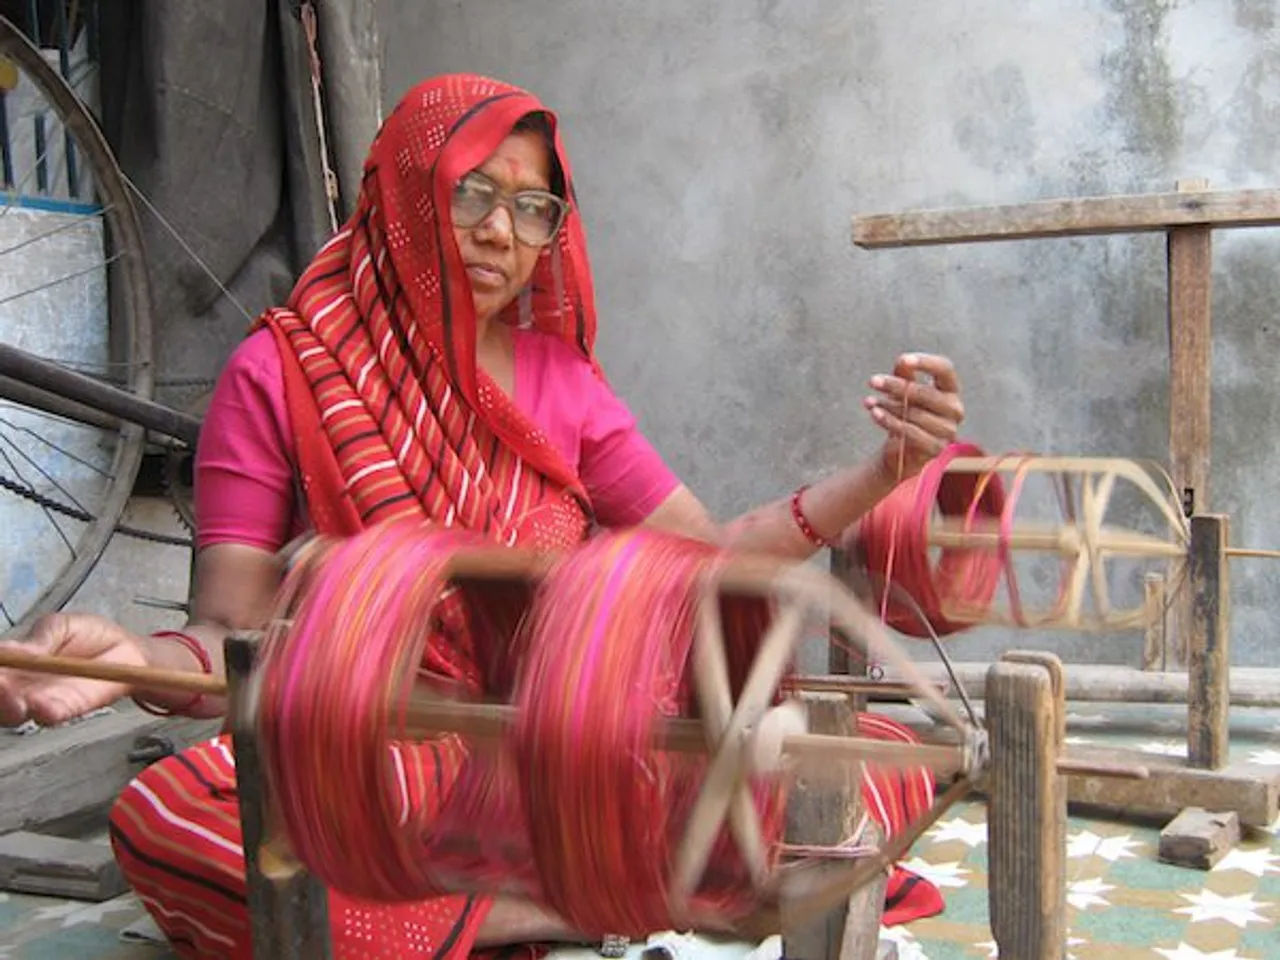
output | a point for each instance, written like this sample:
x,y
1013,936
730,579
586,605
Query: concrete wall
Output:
x,y
722,147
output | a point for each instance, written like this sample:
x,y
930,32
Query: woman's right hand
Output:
x,y
49,699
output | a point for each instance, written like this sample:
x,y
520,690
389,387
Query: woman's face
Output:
x,y
507,193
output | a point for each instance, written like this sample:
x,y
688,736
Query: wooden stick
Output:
x,y
1252,552
853,685
1065,539
142,678
1162,497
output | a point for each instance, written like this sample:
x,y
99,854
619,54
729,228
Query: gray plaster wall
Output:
x,y
722,147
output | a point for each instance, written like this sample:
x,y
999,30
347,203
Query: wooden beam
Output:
x,y
1171,785
64,867
76,770
1087,216
1190,254
1250,791
1103,683
1208,645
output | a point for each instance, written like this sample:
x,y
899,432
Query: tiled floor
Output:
x,y
1123,903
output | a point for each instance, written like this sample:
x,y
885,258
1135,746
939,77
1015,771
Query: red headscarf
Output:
x,y
392,416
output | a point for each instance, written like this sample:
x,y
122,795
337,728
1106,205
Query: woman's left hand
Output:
x,y
921,417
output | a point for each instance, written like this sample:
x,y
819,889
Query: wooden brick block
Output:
x,y
1198,839
58,867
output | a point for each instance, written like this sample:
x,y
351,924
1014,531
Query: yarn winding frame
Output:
x,y
1017,760
965,506
763,732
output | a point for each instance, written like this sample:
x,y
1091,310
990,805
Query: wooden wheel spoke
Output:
x,y
1088,532
1100,500
723,789
711,670
715,697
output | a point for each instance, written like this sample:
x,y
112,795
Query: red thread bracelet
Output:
x,y
810,534
206,667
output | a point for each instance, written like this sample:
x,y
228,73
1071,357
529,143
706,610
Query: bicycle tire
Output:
x,y
131,325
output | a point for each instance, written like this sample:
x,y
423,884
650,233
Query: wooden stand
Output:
x,y
827,906
825,815
1027,828
289,917
1187,216
1206,779
1198,618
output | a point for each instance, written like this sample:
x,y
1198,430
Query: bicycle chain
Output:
x,y
75,513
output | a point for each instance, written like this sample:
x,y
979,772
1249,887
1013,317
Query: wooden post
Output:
x,y
841,659
1027,809
1208,644
1155,637
1189,254
821,815
289,919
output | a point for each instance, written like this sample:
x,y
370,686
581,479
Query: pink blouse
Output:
x,y
245,471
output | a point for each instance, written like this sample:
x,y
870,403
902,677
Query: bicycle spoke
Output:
x,y
70,225
45,441
53,283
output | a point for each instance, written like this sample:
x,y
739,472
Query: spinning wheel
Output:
x,y
762,735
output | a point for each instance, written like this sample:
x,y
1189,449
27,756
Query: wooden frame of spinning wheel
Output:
x,y
1188,216
1019,762
1197,553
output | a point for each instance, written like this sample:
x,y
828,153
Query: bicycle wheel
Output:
x,y
73,290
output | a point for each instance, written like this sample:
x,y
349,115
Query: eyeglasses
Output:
x,y
535,214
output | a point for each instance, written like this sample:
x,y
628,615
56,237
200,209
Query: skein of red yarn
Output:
x,y
893,542
577,808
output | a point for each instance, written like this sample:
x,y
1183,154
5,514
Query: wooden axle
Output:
x,y
780,739
151,678
1066,540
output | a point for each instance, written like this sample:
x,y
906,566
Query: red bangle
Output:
x,y
803,523
206,667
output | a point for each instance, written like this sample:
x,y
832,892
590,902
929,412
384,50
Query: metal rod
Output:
x,y
52,378
59,406
842,683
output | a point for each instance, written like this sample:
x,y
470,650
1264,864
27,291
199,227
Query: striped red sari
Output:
x,y
393,418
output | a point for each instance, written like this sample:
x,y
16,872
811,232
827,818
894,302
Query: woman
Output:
x,y
436,359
